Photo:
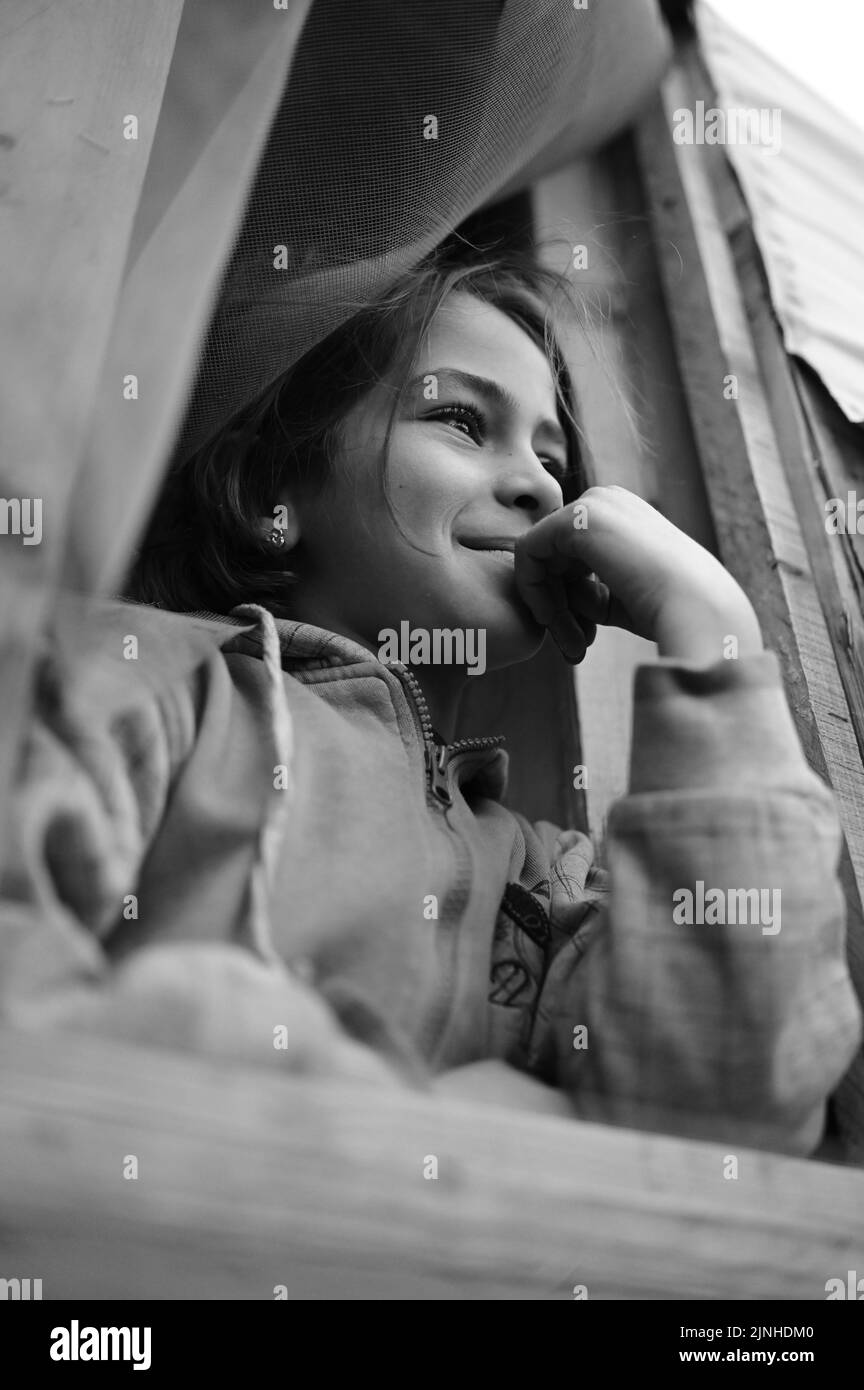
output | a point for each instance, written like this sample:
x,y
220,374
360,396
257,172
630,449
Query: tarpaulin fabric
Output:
x,y
802,174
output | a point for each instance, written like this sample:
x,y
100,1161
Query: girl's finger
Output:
x,y
571,638
544,593
541,591
588,597
589,631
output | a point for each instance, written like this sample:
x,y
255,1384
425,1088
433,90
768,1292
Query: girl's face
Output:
x,y
471,468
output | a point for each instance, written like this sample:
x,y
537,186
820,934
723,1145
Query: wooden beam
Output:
x,y
246,1182
812,464
761,538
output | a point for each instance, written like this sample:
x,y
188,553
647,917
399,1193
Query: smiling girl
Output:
x,y
320,875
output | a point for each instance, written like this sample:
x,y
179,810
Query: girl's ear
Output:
x,y
283,522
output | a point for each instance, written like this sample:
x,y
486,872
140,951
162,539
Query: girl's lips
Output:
x,y
502,553
505,555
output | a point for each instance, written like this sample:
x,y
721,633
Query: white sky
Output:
x,y
820,41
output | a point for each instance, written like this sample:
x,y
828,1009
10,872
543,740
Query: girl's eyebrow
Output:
x,y
492,391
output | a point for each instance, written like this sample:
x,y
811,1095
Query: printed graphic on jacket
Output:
x,y
519,958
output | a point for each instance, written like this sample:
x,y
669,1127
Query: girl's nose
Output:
x,y
524,482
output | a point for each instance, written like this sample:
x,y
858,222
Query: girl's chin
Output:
x,y
509,648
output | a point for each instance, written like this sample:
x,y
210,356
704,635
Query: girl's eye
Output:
x,y
475,420
557,469
463,415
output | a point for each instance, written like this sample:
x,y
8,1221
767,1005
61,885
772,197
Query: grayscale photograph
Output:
x,y
431,670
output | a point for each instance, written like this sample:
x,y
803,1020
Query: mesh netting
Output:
x,y
396,123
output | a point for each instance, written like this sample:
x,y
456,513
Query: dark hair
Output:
x,y
204,548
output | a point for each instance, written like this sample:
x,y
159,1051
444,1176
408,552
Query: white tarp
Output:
x,y
799,65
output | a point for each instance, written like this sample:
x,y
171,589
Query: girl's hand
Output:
x,y
612,559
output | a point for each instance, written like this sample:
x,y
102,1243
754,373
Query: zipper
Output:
x,y
438,756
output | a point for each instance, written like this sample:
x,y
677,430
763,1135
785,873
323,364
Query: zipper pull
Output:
x,y
436,768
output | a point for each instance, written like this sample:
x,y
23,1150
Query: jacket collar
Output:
x,y
305,648
302,646
310,647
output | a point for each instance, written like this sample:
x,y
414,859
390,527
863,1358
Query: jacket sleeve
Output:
x,y
661,1012
103,748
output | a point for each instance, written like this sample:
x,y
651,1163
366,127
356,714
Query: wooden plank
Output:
x,y
809,459
805,462
761,537
833,455
69,186
246,1182
163,315
760,533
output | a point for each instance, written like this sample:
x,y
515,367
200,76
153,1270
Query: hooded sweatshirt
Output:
x,y
240,835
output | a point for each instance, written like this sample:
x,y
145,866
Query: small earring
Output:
x,y
277,537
